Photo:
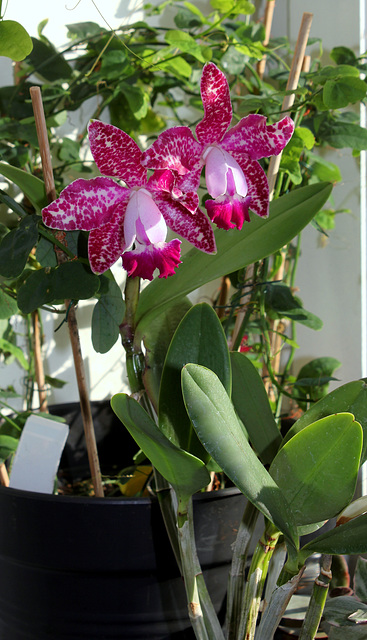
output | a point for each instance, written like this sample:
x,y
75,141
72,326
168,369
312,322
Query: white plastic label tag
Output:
x,y
37,457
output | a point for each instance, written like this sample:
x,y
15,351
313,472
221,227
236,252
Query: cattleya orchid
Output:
x,y
234,178
129,221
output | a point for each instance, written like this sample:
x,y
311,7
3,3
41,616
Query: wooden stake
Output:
x,y
71,316
38,363
292,84
268,19
4,477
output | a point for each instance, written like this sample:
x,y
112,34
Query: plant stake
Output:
x,y
71,316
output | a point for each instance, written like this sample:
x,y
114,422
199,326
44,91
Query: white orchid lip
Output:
x,y
143,220
223,174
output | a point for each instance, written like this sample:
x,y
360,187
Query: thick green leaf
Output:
x,y
338,610
198,339
31,186
15,43
350,397
348,538
157,336
48,62
68,281
236,249
186,473
107,317
17,245
317,469
218,428
8,306
252,405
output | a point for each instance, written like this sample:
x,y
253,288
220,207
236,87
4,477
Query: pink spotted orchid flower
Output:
x,y
234,178
129,221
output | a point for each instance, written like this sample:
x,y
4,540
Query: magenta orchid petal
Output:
x,y
116,154
252,136
174,149
84,204
143,261
229,212
166,180
217,105
195,228
257,184
223,174
106,244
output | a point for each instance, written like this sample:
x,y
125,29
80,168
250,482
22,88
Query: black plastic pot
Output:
x,y
85,568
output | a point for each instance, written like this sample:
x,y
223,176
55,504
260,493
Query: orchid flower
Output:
x,y
234,178
129,221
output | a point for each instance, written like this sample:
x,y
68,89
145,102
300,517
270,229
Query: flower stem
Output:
x,y
134,355
317,602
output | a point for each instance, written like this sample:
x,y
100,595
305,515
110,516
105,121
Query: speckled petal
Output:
x,y
116,154
106,244
167,181
195,228
174,149
253,136
84,204
143,261
217,105
257,184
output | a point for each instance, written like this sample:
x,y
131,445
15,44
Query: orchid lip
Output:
x,y
222,173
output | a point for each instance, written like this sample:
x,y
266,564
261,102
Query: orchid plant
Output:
x,y
196,409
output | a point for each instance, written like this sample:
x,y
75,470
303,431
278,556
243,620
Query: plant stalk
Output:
x,y
317,602
274,612
237,575
256,580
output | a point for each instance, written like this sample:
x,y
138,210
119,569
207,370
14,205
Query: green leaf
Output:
x,y
348,538
46,61
324,169
236,249
107,317
45,253
218,428
344,135
279,298
17,352
15,43
192,342
31,186
186,473
12,204
350,397
340,92
313,378
317,469
68,281
17,245
8,445
138,100
233,6
338,611
343,55
252,406
184,42
157,336
8,306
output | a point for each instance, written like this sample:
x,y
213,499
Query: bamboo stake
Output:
x,y
294,74
71,316
4,477
38,363
292,84
268,19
